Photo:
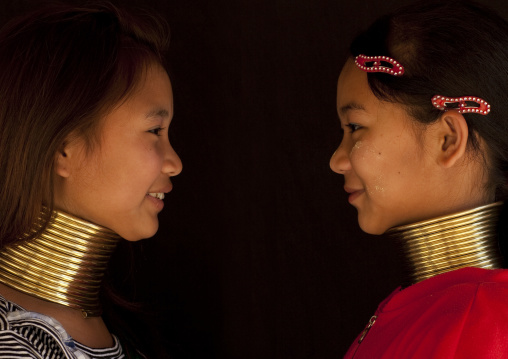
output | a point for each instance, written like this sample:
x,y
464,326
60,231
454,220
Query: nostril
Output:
x,y
339,163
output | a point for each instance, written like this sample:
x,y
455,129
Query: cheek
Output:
x,y
122,171
152,159
87,177
138,167
370,165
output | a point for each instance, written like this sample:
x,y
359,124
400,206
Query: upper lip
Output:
x,y
351,190
165,189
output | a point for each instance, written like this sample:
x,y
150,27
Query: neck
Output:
x,y
64,264
464,239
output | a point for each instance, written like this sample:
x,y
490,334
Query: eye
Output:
x,y
353,127
156,131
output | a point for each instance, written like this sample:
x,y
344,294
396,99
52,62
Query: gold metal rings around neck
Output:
x,y
443,244
64,265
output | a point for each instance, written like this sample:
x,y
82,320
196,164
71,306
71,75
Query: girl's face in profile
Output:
x,y
117,184
387,169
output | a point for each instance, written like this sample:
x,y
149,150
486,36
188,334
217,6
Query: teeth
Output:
x,y
157,195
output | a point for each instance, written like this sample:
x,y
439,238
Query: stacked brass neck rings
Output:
x,y
465,239
64,265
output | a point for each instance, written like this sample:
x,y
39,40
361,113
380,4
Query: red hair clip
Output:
x,y
375,64
467,104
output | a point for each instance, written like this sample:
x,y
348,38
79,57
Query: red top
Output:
x,y
459,314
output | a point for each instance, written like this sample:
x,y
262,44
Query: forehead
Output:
x,y
151,99
154,89
353,88
354,93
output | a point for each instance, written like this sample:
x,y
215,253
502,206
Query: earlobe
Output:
x,y
454,134
62,167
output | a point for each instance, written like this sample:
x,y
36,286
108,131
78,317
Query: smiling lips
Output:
x,y
160,192
159,195
353,193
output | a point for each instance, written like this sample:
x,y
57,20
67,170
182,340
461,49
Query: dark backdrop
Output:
x,y
259,254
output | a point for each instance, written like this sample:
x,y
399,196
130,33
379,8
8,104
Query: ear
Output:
x,y
453,135
62,163
67,156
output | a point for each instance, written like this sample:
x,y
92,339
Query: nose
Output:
x,y
340,162
172,165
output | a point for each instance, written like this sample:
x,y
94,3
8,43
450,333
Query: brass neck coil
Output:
x,y
443,244
64,265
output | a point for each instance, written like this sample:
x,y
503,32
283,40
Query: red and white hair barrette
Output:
x,y
466,104
379,64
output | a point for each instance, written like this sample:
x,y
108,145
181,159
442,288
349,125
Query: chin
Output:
x,y
137,234
371,227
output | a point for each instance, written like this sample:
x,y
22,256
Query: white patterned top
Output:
x,y
26,334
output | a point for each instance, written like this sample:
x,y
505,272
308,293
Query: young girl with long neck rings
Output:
x,y
85,162
424,154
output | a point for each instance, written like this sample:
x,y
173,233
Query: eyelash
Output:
x,y
156,131
353,127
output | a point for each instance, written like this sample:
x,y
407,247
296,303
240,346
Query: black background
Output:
x,y
258,255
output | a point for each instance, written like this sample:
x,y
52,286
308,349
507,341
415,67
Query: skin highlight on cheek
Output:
x,y
359,152
367,149
379,180
362,152
356,147
379,184
377,187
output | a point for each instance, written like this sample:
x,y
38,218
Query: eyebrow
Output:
x,y
350,107
159,112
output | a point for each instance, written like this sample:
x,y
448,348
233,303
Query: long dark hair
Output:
x,y
451,48
61,69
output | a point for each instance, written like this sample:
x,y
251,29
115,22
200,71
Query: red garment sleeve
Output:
x,y
485,330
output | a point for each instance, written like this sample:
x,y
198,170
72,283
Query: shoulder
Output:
x,y
463,314
485,327
463,294
27,334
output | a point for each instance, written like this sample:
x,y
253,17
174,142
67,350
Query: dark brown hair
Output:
x,y
62,69
450,48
